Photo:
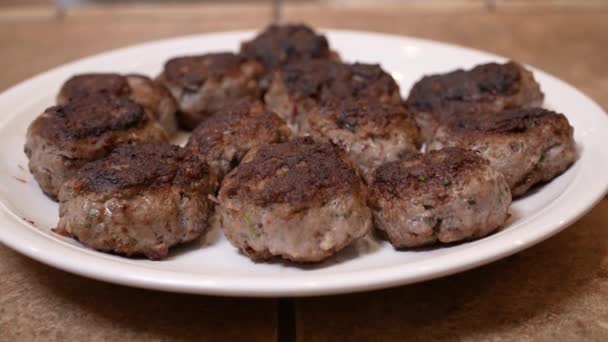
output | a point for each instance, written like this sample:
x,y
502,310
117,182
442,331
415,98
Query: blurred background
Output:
x,y
565,37
431,4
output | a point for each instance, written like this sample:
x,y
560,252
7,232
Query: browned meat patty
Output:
x,y
64,138
279,45
486,88
139,200
225,137
370,132
443,196
528,146
298,88
204,84
364,80
140,89
298,200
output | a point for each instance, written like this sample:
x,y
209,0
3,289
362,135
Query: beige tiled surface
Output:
x,y
556,290
40,303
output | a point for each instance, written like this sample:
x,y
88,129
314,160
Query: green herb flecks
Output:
x,y
471,201
94,213
542,158
446,182
250,225
422,178
428,220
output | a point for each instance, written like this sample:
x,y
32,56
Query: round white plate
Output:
x,y
214,266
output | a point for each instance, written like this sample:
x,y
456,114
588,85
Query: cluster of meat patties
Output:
x,y
294,153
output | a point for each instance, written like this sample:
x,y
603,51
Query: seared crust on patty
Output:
x,y
280,44
528,145
462,91
64,138
425,172
90,117
191,72
327,79
141,167
204,84
442,196
297,200
90,127
139,88
140,200
367,115
370,132
514,120
300,173
365,80
93,84
486,88
299,88
308,78
225,137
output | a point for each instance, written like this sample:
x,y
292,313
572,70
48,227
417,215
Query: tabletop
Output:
x,y
556,290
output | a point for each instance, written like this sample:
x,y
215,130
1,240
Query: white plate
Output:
x,y
215,267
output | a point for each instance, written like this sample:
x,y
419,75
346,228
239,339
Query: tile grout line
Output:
x,y
286,325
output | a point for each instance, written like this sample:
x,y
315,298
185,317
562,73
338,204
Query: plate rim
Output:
x,y
376,278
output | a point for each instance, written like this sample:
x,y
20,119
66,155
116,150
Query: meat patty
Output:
x,y
528,145
279,45
139,200
443,196
225,137
370,132
63,138
298,88
204,84
140,89
297,200
486,88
